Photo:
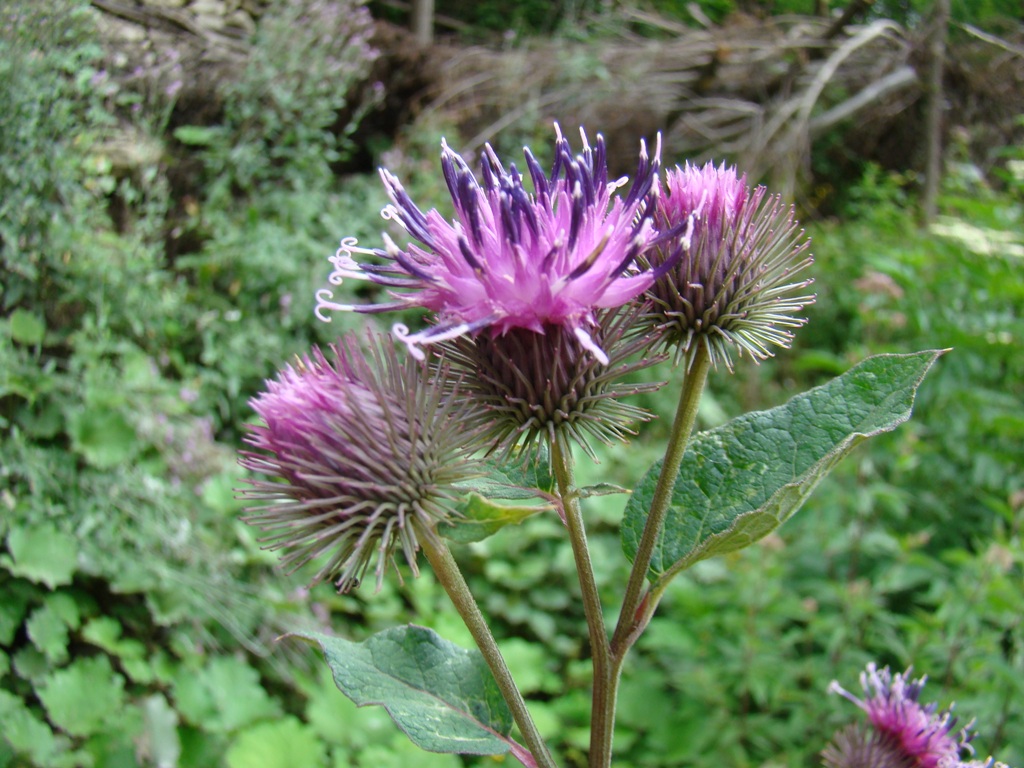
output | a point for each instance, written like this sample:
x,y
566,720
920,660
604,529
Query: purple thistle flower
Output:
x,y
360,454
735,255
512,259
922,734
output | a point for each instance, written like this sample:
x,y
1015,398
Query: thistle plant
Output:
x,y
547,297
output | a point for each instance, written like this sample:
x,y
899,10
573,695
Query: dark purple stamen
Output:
x,y
540,182
467,254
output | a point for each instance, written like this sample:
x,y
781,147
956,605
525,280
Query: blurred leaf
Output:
x,y
218,492
48,626
160,743
103,436
529,663
285,743
443,697
43,421
196,135
399,752
24,732
27,328
41,554
12,611
483,517
236,693
105,632
739,482
29,663
81,697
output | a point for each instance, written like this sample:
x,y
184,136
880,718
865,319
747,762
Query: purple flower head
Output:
x,y
511,258
734,252
360,454
920,733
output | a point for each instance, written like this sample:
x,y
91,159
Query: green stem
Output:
x,y
450,577
604,694
632,619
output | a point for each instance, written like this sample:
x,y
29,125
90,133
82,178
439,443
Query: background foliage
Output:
x,y
138,614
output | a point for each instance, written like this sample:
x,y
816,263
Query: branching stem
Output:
x,y
686,416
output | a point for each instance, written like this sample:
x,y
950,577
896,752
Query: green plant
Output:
x,y
361,461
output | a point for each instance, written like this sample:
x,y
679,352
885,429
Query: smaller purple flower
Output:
x,y
360,455
918,732
513,259
735,252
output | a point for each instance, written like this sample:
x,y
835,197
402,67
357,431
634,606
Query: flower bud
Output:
x,y
360,454
735,254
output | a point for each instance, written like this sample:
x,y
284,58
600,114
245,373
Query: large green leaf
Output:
x,y
742,480
442,696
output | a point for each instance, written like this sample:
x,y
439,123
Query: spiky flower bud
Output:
x,y
735,254
360,454
529,387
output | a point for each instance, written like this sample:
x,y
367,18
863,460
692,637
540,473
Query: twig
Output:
x,y
998,42
894,81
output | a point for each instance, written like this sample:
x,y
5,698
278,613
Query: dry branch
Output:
x,y
755,92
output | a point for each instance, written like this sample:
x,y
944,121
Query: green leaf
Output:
x,y
515,480
103,436
225,695
285,743
741,481
43,555
442,696
82,696
483,517
105,632
12,611
195,135
24,732
26,328
399,752
600,489
238,693
160,742
48,626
